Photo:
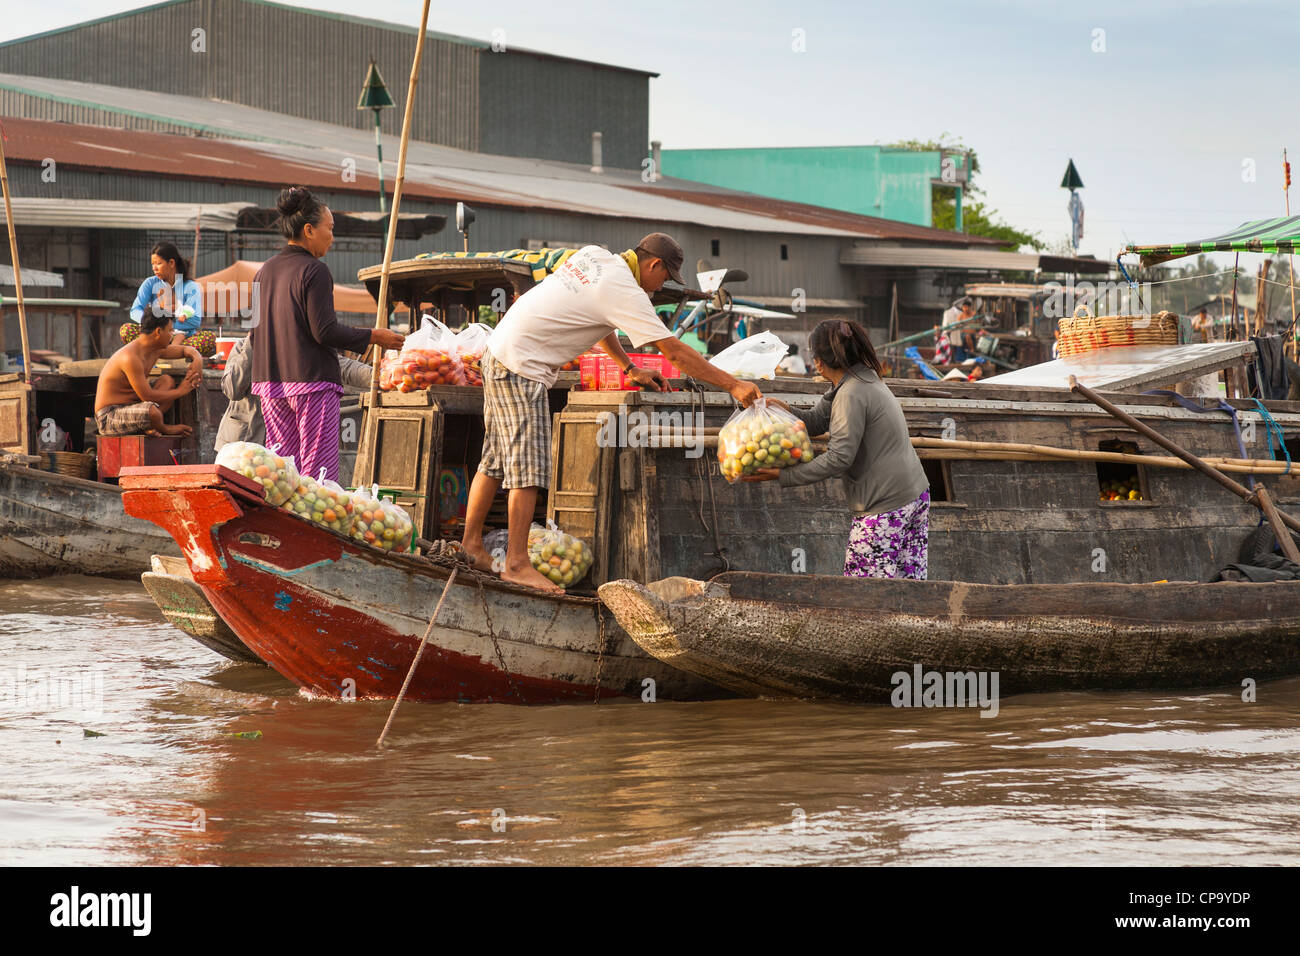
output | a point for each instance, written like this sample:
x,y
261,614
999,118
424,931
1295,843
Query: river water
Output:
x,y
179,775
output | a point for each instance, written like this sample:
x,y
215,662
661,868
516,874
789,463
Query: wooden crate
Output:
x,y
115,452
402,451
581,477
16,414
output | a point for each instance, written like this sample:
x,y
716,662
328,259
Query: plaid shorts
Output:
x,y
516,428
124,419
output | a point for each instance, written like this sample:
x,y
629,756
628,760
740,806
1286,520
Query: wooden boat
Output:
x,y
183,603
343,620
997,516
52,523
340,619
783,635
57,524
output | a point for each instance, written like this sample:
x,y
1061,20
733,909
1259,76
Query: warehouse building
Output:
x,y
486,97
107,164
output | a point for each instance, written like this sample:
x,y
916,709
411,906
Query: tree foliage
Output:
x,y
977,218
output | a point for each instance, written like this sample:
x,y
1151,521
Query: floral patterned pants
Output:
x,y
892,544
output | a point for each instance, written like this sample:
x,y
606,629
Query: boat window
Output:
x,y
936,470
715,247
1121,481
785,252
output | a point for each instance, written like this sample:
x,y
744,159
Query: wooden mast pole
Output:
x,y
13,254
381,309
1286,194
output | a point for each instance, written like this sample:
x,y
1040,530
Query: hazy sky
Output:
x,y
1159,102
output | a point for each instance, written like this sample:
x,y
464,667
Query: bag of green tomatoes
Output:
x,y
379,522
761,436
277,475
560,557
322,502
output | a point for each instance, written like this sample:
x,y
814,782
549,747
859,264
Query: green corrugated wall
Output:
x,y
869,180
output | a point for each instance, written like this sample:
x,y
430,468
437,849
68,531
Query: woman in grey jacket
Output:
x,y
870,451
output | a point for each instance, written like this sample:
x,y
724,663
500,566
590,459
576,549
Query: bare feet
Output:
x,y
529,577
182,430
478,554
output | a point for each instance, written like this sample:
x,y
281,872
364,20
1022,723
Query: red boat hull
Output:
x,y
343,620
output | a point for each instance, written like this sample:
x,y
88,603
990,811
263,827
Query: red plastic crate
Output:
x,y
589,371
613,379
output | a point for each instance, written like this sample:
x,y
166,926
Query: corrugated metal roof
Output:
x,y
164,154
35,278
922,257
284,148
786,302
116,214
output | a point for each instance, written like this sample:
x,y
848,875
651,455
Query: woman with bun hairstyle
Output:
x,y
870,451
170,280
296,337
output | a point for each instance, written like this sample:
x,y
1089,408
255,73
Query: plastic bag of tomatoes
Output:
x,y
322,502
467,347
428,357
377,521
277,475
558,556
761,436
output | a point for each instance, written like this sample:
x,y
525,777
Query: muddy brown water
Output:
x,y
1081,778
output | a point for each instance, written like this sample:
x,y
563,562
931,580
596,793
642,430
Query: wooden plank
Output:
x,y
581,473
649,531
428,510
16,421
605,505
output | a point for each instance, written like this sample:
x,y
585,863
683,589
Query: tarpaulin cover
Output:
x,y
1258,235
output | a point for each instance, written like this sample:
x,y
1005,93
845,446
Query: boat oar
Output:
x,y
1260,497
415,663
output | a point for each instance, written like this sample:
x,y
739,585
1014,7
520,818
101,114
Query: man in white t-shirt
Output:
x,y
591,296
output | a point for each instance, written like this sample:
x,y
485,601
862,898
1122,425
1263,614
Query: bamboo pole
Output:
x,y
18,276
957,454
971,323
1236,262
419,651
1248,465
1261,296
1241,491
381,307
1004,451
1275,522
1286,194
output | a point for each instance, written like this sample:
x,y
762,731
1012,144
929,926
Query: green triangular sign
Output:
x,y
1071,179
374,94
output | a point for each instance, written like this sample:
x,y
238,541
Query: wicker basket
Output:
x,y
1088,333
72,463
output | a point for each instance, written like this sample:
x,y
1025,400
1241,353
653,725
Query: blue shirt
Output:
x,y
191,295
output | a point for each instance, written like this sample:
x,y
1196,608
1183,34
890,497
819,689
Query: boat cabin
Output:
x,y
635,473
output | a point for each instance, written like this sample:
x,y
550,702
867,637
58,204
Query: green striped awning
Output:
x,y
1259,235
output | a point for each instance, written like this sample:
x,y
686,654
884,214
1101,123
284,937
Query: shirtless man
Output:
x,y
126,402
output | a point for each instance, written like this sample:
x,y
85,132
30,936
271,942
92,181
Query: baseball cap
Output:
x,y
665,247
